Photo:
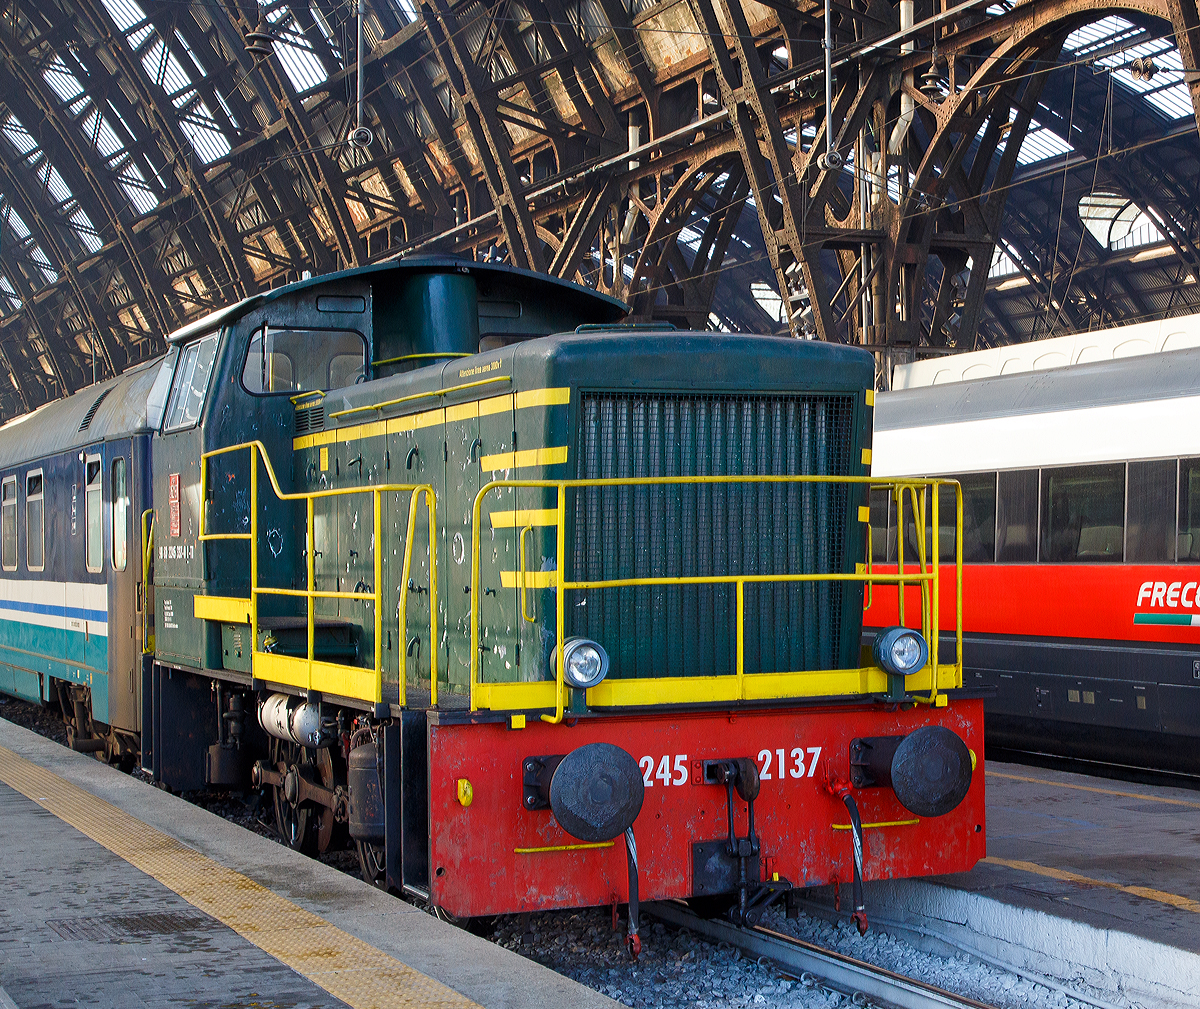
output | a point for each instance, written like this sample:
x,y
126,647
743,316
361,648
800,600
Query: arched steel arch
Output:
x,y
502,130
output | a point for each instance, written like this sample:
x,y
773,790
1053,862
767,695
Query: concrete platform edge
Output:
x,y
1055,947
490,975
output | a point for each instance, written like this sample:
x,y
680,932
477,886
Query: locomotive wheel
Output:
x,y
372,859
294,821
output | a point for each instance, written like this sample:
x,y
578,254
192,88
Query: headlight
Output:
x,y
900,651
585,663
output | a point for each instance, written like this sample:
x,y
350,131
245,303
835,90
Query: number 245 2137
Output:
x,y
773,765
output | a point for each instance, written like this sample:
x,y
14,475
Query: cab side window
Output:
x,y
8,523
94,526
303,360
35,522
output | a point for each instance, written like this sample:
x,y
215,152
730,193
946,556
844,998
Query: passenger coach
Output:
x,y
1079,460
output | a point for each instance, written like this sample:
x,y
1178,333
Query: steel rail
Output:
x,y
800,957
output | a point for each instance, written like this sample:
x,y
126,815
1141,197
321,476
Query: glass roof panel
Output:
x,y
49,179
18,227
164,69
303,67
1166,90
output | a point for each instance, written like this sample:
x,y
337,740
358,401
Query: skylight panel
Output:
x,y
62,82
18,227
9,293
300,63
126,13
1166,91
1040,142
1003,265
51,181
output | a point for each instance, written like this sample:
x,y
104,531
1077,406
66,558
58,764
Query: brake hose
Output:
x,y
859,917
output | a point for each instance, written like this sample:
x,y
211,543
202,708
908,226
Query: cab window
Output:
x,y
8,523
303,360
191,383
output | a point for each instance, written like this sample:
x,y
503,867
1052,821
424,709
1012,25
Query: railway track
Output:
x,y
795,956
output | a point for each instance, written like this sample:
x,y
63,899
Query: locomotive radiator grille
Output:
x,y
711,530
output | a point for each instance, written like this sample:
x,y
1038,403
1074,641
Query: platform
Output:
x,y
1086,878
116,893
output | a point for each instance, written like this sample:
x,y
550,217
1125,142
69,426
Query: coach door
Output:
x,y
83,617
123,563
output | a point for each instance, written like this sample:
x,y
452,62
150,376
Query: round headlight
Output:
x,y
900,651
585,663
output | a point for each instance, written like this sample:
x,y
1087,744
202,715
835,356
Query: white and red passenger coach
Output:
x,y
1079,459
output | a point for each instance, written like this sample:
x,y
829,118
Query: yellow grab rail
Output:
x,y
147,559
927,577
348,674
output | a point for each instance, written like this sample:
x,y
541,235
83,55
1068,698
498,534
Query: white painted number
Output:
x,y
797,770
767,758
667,773
677,772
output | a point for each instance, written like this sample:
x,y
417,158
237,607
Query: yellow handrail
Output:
x,y
258,450
147,557
927,575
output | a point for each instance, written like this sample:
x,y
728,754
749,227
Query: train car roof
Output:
x,y
131,403
409,264
1142,407
1119,342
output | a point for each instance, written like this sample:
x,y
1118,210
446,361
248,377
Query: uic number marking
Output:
x,y
674,771
665,769
767,758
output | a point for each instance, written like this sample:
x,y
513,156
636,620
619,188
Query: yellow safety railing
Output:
x,y
347,681
740,686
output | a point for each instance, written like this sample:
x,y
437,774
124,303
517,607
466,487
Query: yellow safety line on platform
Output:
x,y
1162,897
1090,788
349,969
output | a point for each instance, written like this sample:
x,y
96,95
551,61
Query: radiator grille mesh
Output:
x,y
625,532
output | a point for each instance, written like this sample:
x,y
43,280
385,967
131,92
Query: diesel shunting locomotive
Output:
x,y
535,609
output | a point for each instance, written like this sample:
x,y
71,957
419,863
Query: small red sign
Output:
x,y
173,501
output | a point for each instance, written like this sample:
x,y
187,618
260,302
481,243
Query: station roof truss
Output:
x,y
162,158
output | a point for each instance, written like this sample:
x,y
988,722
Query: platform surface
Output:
x,y
1105,853
115,893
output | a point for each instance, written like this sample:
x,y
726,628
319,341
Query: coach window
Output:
x,y
303,360
94,557
1150,515
1189,510
8,523
946,508
190,386
120,514
1017,516
979,516
1083,513
35,522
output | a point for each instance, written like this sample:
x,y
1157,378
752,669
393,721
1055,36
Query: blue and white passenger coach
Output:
x,y
73,488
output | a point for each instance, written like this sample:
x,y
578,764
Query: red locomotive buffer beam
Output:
x,y
492,855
